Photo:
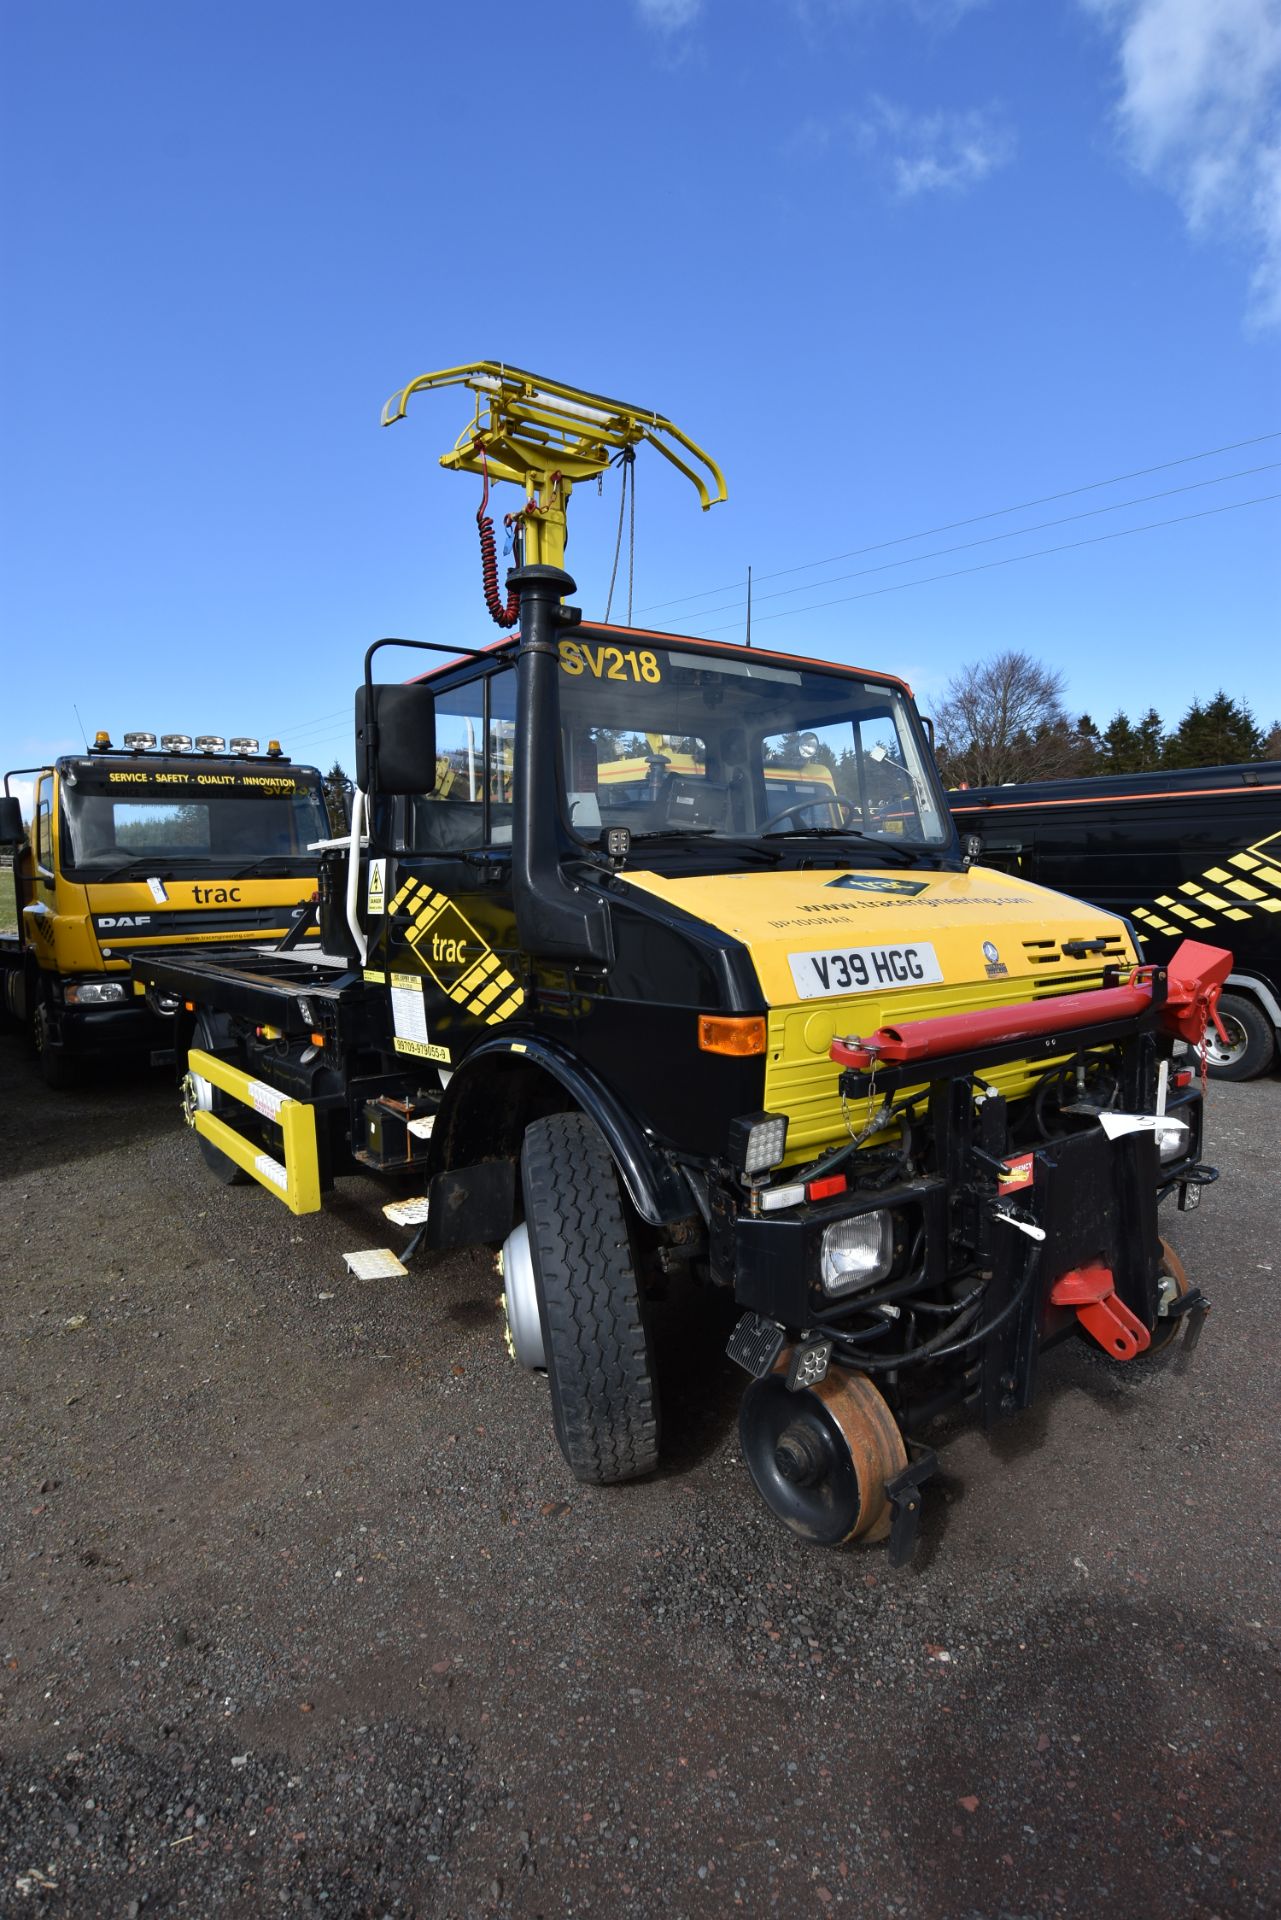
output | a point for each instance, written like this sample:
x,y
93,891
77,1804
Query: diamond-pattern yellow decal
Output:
x,y
1201,907
456,957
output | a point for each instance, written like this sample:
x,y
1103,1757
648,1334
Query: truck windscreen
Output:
x,y
131,818
662,741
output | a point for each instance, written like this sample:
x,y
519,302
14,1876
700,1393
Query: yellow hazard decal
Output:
x,y
377,886
1246,884
463,965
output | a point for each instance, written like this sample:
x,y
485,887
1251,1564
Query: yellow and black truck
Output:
x,y
916,1118
156,844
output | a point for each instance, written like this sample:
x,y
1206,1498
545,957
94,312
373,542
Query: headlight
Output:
x,y
757,1141
1171,1138
857,1252
95,993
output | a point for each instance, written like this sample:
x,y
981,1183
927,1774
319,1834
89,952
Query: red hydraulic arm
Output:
x,y
1194,981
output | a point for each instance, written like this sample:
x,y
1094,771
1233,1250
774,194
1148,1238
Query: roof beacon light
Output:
x,y
140,742
242,743
101,740
209,743
273,749
176,742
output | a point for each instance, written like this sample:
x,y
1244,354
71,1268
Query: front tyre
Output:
x,y
597,1349
59,1069
1250,1042
201,1096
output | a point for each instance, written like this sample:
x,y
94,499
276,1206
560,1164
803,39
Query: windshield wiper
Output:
x,y
269,860
143,869
906,856
733,843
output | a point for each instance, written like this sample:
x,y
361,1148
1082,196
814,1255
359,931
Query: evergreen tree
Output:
x,y
1217,734
1120,746
338,790
1272,745
1149,742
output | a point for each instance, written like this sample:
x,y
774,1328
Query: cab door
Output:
x,y
448,924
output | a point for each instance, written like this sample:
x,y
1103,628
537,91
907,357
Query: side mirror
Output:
x,y
928,724
12,833
396,738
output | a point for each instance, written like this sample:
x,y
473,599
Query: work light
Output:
x,y
858,1252
176,742
210,743
243,744
757,1141
140,742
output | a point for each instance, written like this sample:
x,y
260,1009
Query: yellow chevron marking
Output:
x,y
1236,913
1246,891
1246,862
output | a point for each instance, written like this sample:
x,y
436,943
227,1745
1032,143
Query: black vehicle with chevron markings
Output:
x,y
653,962
1195,850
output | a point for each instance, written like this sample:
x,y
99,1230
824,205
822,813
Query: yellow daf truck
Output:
x,y
702,1026
169,843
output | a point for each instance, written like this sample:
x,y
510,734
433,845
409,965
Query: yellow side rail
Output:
x,y
296,1179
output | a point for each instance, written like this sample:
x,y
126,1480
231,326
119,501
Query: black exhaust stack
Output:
x,y
557,918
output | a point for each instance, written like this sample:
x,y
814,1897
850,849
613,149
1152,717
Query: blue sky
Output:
x,y
896,263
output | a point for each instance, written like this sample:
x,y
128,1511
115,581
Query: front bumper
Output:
x,y
1088,1201
129,1027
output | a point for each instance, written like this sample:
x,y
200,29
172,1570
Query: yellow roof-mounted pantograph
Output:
x,y
545,437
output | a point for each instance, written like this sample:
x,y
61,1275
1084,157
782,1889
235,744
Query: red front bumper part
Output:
x,y
1120,1333
1194,981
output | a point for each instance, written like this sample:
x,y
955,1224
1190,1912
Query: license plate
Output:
x,y
864,969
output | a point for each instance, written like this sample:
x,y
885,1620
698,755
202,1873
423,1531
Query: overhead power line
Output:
x,y
1010,559
989,539
953,526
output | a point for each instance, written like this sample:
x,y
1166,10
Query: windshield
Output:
x,y
140,819
662,740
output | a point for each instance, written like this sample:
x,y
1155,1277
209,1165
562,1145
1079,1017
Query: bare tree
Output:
x,y
1004,719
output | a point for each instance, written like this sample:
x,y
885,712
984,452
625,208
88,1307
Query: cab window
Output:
x,y
473,765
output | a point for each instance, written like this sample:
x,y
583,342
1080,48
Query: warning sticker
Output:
x,y
408,1014
409,1019
377,886
1020,1171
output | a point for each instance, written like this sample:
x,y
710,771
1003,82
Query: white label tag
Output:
x,y
158,893
864,969
408,1014
377,886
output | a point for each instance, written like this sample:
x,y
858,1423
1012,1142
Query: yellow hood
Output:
x,y
945,918
781,915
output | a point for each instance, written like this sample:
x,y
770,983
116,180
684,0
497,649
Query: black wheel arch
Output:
x,y
509,1080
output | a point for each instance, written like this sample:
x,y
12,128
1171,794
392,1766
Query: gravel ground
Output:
x,y
300,1611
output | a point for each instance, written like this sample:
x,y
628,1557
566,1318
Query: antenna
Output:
x,y
748,641
80,723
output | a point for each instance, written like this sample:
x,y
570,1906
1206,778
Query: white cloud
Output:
x,y
935,152
1200,111
669,16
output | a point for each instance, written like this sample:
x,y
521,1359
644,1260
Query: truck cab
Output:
x,y
137,848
